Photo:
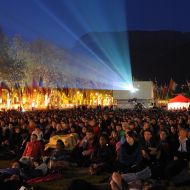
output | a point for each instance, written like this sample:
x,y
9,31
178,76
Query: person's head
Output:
x,y
72,129
173,130
130,137
36,163
38,128
10,125
60,144
41,120
58,127
89,134
114,134
15,165
182,133
132,126
171,122
118,127
147,135
146,126
105,116
153,121
84,130
92,122
33,138
163,135
17,130
103,140
15,177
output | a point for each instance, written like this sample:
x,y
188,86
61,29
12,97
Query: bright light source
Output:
x,y
133,90
124,86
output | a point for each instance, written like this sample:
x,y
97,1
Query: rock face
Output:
x,y
160,54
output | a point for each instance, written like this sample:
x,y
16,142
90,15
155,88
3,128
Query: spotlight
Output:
x,y
133,89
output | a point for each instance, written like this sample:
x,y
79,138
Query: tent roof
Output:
x,y
179,98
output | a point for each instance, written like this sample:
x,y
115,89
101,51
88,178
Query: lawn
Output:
x,y
76,173
68,176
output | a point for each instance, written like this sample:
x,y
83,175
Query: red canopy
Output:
x,y
179,98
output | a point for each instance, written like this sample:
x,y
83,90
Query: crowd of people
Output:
x,y
140,144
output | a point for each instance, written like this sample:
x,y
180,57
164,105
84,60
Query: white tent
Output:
x,y
178,102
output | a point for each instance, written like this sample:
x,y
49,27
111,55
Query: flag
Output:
x,y
17,85
188,84
164,91
5,86
78,84
161,89
41,82
34,84
66,89
172,85
92,85
84,94
27,89
156,89
48,91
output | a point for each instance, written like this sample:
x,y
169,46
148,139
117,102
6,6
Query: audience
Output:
x,y
107,140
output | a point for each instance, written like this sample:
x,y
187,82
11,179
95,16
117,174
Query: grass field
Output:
x,y
67,176
76,173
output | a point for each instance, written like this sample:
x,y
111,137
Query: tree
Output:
x,y
5,60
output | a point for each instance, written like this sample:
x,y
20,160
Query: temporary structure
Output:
x,y
178,102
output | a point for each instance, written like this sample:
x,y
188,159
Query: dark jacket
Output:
x,y
183,155
129,155
102,154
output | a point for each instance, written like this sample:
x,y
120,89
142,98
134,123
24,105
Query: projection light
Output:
x,y
124,86
133,89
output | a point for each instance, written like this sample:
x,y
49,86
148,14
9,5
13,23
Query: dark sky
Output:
x,y
61,21
64,21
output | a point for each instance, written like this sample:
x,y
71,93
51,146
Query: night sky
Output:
x,y
64,21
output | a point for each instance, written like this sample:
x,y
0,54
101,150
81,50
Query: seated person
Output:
x,y
102,156
181,156
33,148
128,152
164,152
8,172
84,149
149,149
59,157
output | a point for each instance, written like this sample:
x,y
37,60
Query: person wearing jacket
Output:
x,y
129,151
181,155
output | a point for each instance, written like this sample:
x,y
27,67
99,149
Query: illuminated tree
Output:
x,y
18,52
5,60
